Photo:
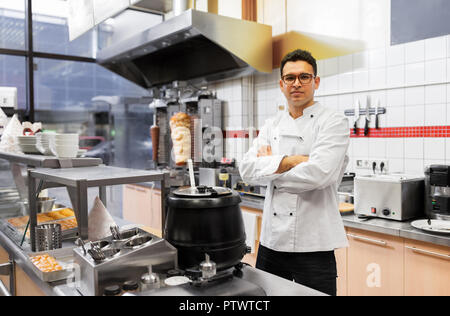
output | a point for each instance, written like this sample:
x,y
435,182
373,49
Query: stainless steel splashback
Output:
x,y
195,46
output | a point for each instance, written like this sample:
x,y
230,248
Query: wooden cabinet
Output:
x,y
427,269
251,257
142,205
341,265
375,264
24,285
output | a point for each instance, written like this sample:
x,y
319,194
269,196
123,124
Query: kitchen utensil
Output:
x,y
366,125
437,191
396,196
115,232
191,173
377,115
81,244
48,237
435,226
357,115
193,218
150,280
208,268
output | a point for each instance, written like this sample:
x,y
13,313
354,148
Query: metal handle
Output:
x,y
374,241
427,252
5,269
3,290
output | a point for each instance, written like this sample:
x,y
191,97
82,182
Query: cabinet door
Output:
x,y
4,258
341,264
375,264
137,204
25,286
427,269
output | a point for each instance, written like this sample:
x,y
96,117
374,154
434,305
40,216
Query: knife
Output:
x,y
357,115
366,126
377,116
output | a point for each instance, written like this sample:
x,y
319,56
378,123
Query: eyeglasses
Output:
x,y
303,78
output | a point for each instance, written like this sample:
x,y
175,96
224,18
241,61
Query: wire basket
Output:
x,y
48,237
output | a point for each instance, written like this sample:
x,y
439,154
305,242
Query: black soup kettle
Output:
x,y
206,220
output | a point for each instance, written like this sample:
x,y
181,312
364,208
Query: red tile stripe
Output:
x,y
404,132
385,132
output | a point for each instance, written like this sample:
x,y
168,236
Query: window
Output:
x,y
13,74
12,24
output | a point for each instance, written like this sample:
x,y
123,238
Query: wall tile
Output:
x,y
415,52
396,55
395,97
377,148
361,61
415,74
377,78
361,147
435,94
435,71
345,64
395,148
395,117
414,96
414,115
434,148
436,48
396,76
414,148
414,166
396,165
361,80
435,114
377,58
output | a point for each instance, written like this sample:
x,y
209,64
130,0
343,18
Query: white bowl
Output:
x,y
65,151
65,142
29,149
67,136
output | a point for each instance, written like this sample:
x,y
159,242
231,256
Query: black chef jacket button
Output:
x,y
312,116
291,214
274,214
274,188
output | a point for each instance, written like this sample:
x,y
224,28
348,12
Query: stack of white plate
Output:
x,y
65,145
28,144
43,143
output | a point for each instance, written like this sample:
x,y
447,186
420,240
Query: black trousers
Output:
x,y
316,270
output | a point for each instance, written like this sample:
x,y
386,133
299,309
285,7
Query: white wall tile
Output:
x,y
331,67
377,78
448,92
345,63
435,94
435,71
377,148
434,148
448,69
395,148
395,76
414,148
345,102
361,80
395,97
377,58
415,74
396,55
397,165
414,115
361,147
415,96
435,114
447,148
414,166
436,48
415,52
361,61
395,117
345,82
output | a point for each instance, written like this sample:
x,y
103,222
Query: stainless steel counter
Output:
x,y
273,285
377,225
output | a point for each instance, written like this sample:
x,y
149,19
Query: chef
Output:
x,y
301,156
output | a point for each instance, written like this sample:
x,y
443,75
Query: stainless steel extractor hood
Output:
x,y
195,46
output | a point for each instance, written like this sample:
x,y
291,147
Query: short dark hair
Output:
x,y
297,55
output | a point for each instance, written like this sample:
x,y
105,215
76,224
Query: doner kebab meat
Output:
x,y
180,127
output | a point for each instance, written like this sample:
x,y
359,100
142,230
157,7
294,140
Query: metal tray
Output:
x,y
63,256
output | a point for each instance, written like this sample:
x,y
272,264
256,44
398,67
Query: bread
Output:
x,y
180,126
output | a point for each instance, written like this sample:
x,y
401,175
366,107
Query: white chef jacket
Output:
x,y
301,210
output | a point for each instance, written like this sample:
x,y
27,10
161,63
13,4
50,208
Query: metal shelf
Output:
x,y
77,181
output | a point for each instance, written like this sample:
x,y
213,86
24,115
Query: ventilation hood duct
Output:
x,y
196,47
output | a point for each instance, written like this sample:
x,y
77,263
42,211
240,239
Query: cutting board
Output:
x,y
346,207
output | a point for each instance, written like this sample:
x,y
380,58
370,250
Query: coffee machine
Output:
x,y
437,196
